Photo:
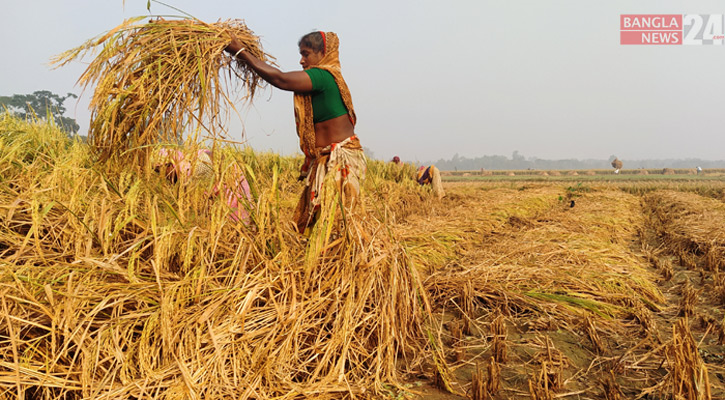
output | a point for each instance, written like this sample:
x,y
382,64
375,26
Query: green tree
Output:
x,y
40,103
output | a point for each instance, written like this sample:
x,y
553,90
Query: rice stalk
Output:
x,y
719,285
612,390
539,385
689,300
493,380
485,387
478,384
688,377
459,349
498,341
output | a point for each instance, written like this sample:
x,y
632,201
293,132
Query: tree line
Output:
x,y
519,162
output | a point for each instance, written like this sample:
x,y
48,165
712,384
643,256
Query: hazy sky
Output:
x,y
430,79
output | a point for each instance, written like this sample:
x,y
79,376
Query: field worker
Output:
x,y
396,170
325,120
233,188
175,165
431,176
699,170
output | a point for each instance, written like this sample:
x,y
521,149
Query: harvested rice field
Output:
x,y
545,290
117,284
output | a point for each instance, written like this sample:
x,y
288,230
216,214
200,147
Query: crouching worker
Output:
x,y
398,171
232,187
175,165
431,176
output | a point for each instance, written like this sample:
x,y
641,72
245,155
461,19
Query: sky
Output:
x,y
432,79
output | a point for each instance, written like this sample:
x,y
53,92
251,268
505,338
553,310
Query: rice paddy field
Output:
x,y
118,284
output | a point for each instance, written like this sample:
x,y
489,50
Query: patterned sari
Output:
x,y
343,162
344,165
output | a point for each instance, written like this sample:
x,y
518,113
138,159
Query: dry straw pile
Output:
x,y
159,80
690,226
524,264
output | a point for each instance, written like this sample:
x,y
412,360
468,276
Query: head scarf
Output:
x,y
330,62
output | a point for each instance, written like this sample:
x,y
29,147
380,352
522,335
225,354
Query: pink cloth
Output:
x,y
237,194
234,189
198,165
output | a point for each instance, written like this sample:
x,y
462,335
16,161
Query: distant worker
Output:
x,y
617,165
431,176
699,170
398,171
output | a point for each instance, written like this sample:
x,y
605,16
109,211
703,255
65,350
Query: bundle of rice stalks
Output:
x,y
687,260
665,268
658,261
644,319
160,80
395,186
540,384
591,331
493,380
466,306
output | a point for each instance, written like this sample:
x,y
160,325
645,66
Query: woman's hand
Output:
x,y
234,47
296,81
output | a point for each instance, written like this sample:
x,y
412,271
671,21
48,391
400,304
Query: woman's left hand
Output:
x,y
234,47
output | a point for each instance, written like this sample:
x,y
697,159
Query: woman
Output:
x,y
325,120
431,176
177,165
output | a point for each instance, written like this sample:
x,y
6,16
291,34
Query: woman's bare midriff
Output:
x,y
333,131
